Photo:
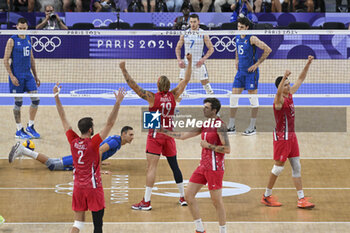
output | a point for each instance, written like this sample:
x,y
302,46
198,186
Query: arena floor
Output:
x,y
33,199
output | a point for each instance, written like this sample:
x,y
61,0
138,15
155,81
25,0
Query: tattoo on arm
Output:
x,y
139,91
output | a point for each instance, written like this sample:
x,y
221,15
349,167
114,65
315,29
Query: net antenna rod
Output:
x,y
118,18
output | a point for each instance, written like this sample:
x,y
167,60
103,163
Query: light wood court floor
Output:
x,y
33,199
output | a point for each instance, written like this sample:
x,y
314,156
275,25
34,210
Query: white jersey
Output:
x,y
194,44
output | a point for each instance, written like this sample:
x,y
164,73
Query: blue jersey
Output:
x,y
21,56
114,143
247,55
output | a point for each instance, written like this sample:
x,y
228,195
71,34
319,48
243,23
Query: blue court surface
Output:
x,y
192,89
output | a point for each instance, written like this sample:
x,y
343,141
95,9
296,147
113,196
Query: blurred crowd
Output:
x,y
239,6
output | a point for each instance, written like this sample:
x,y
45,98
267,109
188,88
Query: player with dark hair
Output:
x,y
19,50
285,143
163,103
215,144
194,44
108,148
87,191
247,76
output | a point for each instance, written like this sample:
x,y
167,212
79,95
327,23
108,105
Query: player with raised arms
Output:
x,y
162,102
108,148
285,143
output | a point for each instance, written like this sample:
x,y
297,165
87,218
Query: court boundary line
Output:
x,y
157,188
231,158
162,223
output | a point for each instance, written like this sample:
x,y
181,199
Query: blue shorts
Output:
x,y
26,83
246,80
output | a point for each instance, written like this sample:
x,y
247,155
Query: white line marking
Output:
x,y
157,188
162,223
230,158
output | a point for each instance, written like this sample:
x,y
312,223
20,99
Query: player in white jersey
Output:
x,y
194,44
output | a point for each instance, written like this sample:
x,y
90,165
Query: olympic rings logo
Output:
x,y
106,22
45,43
223,43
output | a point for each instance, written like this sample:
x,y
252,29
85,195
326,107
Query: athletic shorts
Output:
x,y
26,84
161,146
200,73
246,80
88,199
284,149
204,176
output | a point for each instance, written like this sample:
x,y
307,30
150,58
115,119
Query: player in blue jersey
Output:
x,y
21,79
108,148
247,76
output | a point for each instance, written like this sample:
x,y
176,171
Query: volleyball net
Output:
x,y
86,63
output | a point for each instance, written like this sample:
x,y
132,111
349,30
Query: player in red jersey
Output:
x,y
285,143
157,144
215,144
88,191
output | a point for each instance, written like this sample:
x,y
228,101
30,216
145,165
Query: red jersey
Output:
x,y
86,160
165,103
284,120
212,160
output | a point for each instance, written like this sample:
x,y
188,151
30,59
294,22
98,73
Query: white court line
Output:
x,y
162,223
228,158
156,188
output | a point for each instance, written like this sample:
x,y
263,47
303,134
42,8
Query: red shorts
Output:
x,y
161,146
284,149
88,199
204,176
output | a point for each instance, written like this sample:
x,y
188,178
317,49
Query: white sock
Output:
x,y
148,194
199,225
300,194
30,153
30,123
208,88
268,192
232,122
252,123
19,126
181,189
222,229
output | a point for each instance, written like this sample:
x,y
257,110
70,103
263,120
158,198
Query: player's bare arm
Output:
x,y
181,135
179,89
7,57
113,115
179,45
261,45
146,95
60,110
208,53
225,147
32,64
103,149
279,95
302,75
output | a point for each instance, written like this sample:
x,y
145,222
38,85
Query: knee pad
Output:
x,y
254,102
18,103
233,101
296,166
35,102
276,170
78,224
54,164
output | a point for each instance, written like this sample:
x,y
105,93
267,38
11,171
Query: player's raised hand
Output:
x,y
182,64
57,89
122,65
287,73
189,57
121,94
14,80
310,58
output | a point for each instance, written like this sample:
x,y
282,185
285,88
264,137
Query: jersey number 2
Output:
x,y
81,154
